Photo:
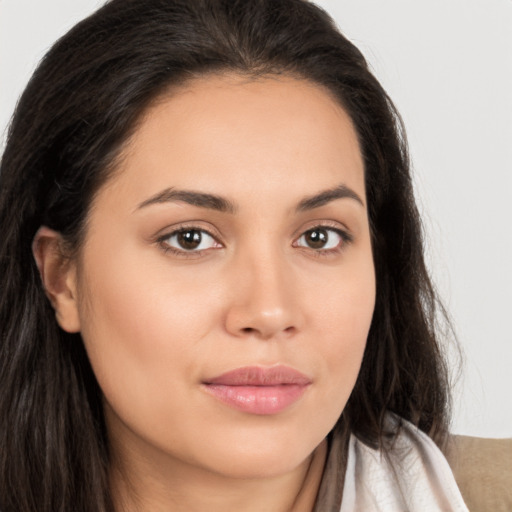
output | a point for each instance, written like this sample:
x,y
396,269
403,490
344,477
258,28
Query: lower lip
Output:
x,y
263,400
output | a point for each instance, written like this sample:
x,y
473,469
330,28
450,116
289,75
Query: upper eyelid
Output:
x,y
326,228
194,225
326,224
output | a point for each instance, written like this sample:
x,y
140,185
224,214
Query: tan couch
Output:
x,y
483,471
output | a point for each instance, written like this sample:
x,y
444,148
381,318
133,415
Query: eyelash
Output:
x,y
163,241
346,239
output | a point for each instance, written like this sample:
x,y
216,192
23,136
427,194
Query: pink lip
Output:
x,y
258,390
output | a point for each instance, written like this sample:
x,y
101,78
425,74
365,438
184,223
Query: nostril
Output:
x,y
252,330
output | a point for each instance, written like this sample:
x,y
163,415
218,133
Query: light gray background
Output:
x,y
447,64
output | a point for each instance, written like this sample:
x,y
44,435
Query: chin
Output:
x,y
260,465
262,455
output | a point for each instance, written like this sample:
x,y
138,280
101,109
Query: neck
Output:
x,y
143,485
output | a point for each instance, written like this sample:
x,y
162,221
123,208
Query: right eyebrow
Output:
x,y
194,198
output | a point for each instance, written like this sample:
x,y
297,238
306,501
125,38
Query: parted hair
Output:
x,y
78,110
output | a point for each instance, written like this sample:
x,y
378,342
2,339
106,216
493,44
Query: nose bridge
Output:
x,y
263,301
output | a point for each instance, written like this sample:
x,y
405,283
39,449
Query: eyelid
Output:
x,y
189,224
325,224
342,231
163,235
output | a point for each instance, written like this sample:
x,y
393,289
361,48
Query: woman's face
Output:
x,y
226,285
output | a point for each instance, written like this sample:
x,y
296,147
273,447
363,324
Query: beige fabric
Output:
x,y
483,471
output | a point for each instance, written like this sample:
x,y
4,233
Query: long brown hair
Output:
x,y
82,103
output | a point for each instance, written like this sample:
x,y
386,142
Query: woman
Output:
x,y
213,288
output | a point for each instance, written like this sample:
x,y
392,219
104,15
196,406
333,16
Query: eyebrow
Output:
x,y
221,204
201,199
326,196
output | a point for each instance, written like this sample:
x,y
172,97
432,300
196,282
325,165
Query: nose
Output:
x,y
265,304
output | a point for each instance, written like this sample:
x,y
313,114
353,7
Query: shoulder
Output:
x,y
410,474
483,471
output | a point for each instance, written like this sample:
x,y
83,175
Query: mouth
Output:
x,y
258,390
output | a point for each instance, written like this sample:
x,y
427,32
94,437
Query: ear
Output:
x,y
58,274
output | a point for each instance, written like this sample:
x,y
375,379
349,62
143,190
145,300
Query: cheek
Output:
x,y
343,316
142,327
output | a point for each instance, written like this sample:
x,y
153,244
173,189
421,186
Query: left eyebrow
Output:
x,y
326,196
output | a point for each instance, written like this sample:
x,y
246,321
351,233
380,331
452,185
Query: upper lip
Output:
x,y
260,376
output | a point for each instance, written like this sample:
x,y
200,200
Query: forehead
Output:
x,y
233,134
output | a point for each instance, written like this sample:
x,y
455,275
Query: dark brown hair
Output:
x,y
80,106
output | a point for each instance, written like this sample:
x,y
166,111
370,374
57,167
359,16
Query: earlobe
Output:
x,y
58,275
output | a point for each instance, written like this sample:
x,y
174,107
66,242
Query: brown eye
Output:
x,y
320,238
190,240
316,238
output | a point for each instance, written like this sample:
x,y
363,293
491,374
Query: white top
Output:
x,y
415,477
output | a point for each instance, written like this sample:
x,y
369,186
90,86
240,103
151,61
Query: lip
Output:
x,y
259,390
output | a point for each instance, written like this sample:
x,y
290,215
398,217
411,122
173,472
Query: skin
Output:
x,y
157,320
